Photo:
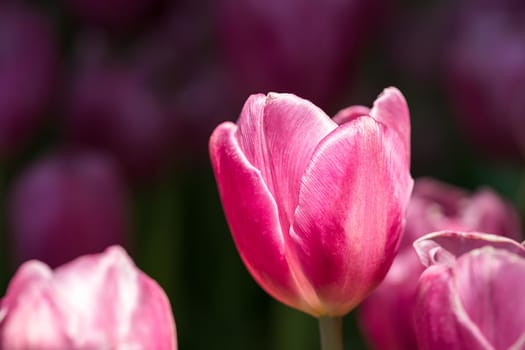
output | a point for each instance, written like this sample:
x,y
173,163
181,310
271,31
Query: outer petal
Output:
x,y
278,134
29,317
252,215
391,109
446,246
350,213
441,321
489,282
112,303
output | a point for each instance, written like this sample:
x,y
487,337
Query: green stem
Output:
x,y
331,329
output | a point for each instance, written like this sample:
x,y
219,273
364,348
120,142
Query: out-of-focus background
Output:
x,y
106,107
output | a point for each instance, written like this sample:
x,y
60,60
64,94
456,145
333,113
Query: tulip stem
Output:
x,y
331,329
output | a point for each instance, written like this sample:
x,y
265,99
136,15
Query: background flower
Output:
x,y
467,295
97,301
386,316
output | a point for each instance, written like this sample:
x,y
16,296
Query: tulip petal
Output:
x,y
445,247
351,206
488,284
29,318
391,109
252,215
278,134
441,322
350,113
124,307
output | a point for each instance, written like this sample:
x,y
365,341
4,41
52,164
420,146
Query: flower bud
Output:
x,y
311,224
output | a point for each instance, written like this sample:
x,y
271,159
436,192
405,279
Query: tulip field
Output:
x,y
281,174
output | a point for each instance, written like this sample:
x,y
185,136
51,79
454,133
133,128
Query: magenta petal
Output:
x,y
278,134
351,206
350,113
446,246
252,215
391,109
441,322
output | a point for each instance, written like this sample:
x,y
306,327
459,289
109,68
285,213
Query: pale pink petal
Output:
x,y
351,207
252,215
446,246
278,136
391,109
490,284
29,317
441,322
153,326
94,302
350,113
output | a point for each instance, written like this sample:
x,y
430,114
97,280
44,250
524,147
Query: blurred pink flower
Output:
x,y
311,224
28,69
486,75
470,295
66,205
100,301
387,315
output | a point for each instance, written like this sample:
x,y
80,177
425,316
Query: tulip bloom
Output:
x,y
470,295
100,301
386,316
315,206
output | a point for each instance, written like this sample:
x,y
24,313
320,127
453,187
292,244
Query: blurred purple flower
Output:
x,y
387,315
299,46
28,71
469,296
66,205
179,57
114,108
486,75
100,301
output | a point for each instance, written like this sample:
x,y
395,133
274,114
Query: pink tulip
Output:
x,y
386,316
470,296
315,205
66,205
100,301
